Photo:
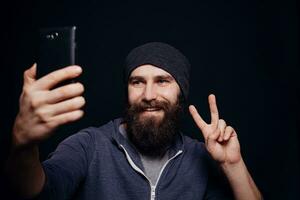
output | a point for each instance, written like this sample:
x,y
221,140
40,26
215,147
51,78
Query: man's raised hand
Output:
x,y
42,109
220,140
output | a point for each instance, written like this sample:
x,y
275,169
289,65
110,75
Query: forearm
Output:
x,y
241,181
25,171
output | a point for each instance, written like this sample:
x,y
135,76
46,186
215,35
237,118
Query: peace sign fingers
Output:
x,y
198,119
214,113
205,128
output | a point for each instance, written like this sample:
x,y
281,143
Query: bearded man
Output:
x,y
142,155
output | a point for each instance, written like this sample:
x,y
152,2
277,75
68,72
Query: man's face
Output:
x,y
149,84
153,111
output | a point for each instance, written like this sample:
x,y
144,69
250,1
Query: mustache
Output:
x,y
154,104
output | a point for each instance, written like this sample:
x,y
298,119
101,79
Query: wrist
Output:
x,y
228,167
19,143
20,136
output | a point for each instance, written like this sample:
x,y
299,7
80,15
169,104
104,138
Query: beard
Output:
x,y
151,134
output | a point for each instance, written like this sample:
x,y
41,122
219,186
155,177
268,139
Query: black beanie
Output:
x,y
162,56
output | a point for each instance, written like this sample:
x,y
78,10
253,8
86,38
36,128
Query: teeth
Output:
x,y
152,109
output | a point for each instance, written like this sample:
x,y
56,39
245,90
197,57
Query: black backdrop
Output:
x,y
246,52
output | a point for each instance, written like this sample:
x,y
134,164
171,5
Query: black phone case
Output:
x,y
56,49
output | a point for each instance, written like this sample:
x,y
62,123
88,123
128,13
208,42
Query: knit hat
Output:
x,y
163,56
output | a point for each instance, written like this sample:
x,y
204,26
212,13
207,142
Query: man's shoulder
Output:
x,y
192,142
194,146
94,134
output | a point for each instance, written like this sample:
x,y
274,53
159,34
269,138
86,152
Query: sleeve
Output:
x,y
67,167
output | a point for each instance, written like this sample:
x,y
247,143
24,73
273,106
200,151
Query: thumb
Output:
x,y
30,75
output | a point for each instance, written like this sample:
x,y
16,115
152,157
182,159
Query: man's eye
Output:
x,y
136,82
162,81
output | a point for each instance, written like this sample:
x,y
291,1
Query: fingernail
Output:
x,y
78,69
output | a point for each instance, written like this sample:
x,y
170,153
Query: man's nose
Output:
x,y
150,92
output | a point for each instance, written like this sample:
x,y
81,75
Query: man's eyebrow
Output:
x,y
168,77
131,78
141,78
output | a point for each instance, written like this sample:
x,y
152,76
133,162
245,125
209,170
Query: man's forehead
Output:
x,y
149,71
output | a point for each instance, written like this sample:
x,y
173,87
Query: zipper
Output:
x,y
136,168
162,169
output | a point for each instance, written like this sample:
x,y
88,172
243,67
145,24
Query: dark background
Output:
x,y
246,52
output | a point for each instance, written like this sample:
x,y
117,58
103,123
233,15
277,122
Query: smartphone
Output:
x,y
56,49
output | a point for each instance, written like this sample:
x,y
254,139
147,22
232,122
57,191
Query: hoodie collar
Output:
x,y
121,140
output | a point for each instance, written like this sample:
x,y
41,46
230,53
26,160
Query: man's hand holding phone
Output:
x,y
43,107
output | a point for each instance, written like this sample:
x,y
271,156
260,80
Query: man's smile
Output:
x,y
152,109
152,112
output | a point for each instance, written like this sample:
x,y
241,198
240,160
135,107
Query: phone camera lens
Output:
x,y
52,36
